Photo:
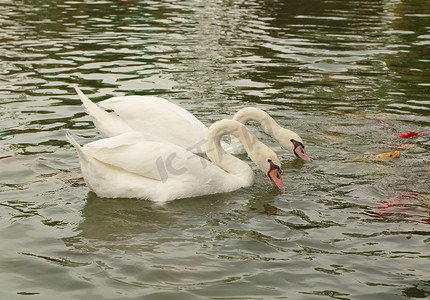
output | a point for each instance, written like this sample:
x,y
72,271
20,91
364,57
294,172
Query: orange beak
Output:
x,y
275,176
299,151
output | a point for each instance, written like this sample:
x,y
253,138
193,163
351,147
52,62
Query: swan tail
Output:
x,y
75,144
92,108
108,124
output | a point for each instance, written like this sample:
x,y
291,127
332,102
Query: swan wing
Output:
x,y
148,156
159,117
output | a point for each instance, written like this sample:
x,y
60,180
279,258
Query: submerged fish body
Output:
x,y
399,200
383,123
410,206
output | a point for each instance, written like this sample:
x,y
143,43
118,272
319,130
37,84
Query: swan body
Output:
x,y
173,123
140,165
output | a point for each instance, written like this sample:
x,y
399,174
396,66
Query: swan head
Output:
x,y
299,150
274,174
269,163
292,142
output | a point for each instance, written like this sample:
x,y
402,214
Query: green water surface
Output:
x,y
323,68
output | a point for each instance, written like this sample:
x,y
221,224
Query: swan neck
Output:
x,y
268,124
220,157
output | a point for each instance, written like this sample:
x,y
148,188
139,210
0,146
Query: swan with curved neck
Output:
x,y
288,139
139,165
173,123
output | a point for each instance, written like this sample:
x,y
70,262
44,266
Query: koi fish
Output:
x,y
383,123
409,134
399,200
394,154
410,206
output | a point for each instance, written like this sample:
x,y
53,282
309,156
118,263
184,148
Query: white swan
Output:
x,y
139,165
173,123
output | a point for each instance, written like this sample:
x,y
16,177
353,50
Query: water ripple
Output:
x,y
327,70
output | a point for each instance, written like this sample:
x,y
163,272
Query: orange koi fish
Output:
x,y
394,154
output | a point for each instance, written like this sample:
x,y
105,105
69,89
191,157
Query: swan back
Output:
x,y
149,114
161,118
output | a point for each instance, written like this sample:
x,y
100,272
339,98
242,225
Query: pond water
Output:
x,y
325,69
